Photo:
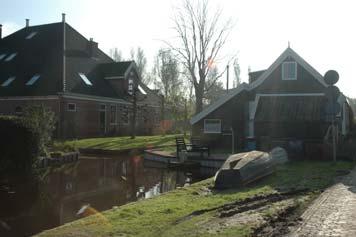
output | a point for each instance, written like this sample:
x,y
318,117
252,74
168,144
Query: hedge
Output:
x,y
19,146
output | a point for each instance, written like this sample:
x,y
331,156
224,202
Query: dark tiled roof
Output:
x,y
43,54
115,69
290,108
36,55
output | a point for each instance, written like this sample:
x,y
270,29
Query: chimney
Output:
x,y
63,17
27,23
0,31
92,48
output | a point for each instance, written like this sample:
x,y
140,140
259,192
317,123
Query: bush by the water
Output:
x,y
19,146
42,121
23,139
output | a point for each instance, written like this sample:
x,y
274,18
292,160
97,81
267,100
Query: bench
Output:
x,y
193,147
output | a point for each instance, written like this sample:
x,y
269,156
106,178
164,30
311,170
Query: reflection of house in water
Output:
x,y
104,183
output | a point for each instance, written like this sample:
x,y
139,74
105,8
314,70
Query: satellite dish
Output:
x,y
331,77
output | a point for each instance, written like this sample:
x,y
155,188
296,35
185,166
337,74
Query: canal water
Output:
x,y
93,184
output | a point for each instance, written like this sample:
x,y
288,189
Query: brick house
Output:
x,y
283,105
91,95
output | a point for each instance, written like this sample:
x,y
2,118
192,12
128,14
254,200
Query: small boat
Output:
x,y
243,168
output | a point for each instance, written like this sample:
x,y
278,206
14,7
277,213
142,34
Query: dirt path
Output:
x,y
333,213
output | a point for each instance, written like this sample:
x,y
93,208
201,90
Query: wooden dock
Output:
x,y
213,161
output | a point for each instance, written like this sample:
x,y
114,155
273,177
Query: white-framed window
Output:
x,y
212,125
289,71
33,80
31,35
85,79
113,114
72,107
10,57
8,81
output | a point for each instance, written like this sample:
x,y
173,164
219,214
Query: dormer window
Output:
x,y
10,57
85,79
8,82
31,35
2,56
289,71
33,80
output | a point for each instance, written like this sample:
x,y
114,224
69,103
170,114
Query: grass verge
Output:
x,y
170,213
117,143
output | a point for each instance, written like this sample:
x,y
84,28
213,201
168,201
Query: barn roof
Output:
x,y
257,82
290,108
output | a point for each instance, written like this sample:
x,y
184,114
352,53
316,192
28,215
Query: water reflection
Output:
x,y
92,185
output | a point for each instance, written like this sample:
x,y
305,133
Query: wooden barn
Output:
x,y
283,105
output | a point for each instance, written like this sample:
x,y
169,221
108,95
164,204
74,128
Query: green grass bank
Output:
x,y
116,143
199,210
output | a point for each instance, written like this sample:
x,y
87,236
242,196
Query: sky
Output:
x,y
322,32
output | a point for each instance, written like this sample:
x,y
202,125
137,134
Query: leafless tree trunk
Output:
x,y
140,59
116,54
201,37
237,72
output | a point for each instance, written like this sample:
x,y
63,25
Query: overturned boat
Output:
x,y
243,168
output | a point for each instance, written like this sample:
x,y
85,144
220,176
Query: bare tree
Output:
x,y
237,71
116,54
201,36
216,88
140,59
166,70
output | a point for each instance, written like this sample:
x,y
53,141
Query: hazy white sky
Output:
x,y
322,32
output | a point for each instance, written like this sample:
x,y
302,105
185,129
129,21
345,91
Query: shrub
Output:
x,y
42,121
19,146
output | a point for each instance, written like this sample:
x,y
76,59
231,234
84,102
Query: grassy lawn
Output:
x,y
169,214
118,143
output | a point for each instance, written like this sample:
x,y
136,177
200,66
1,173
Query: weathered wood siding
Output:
x,y
232,114
305,83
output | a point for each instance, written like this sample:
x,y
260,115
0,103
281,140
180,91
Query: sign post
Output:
x,y
332,107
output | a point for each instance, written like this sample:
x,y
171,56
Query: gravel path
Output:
x,y
333,213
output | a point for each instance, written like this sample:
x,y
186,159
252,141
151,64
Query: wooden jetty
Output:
x,y
192,160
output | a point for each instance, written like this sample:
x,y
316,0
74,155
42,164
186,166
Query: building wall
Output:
x,y
85,120
305,83
8,106
233,115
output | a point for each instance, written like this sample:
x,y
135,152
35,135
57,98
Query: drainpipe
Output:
x,y
0,31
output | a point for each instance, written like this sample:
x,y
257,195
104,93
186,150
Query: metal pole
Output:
x,y
333,134
227,78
